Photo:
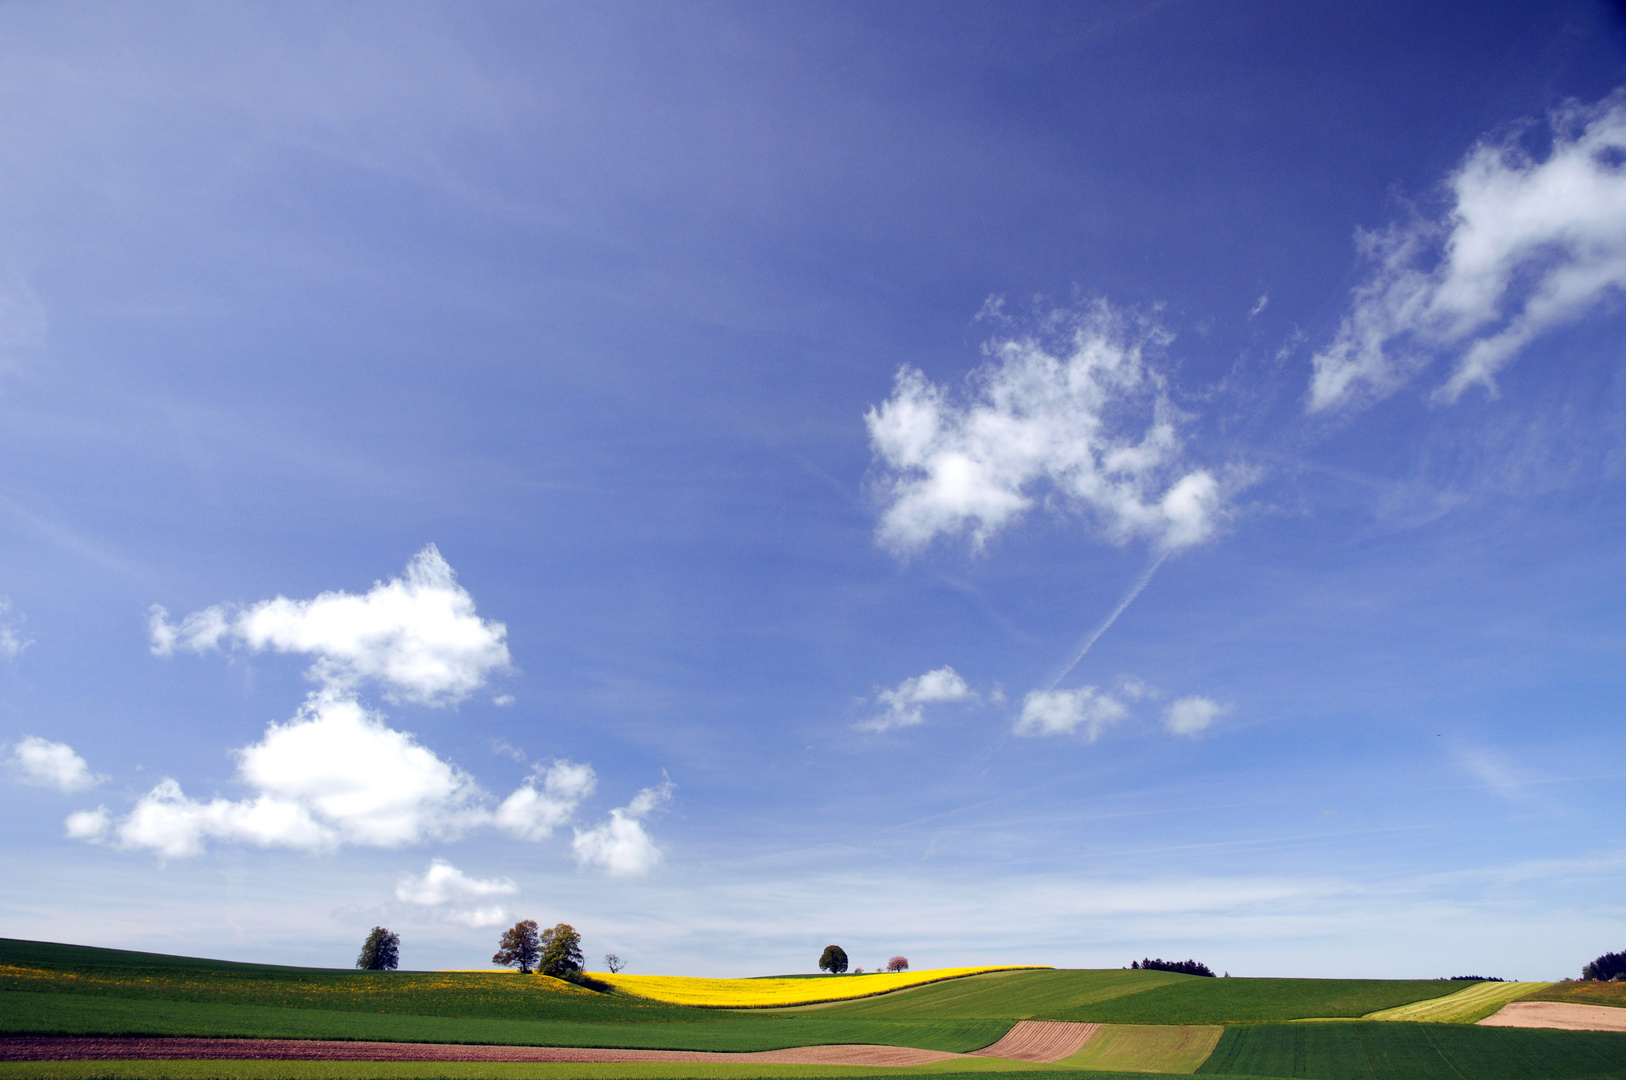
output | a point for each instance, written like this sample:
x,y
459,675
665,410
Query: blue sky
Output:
x,y
987,482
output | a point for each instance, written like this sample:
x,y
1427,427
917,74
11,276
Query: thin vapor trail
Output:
x,y
1095,635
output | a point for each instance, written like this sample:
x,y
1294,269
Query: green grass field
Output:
x,y
1467,1006
1400,1051
1160,1022
1584,993
1139,997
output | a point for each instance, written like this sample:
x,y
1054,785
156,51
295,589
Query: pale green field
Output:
x,y
1464,1007
1147,1048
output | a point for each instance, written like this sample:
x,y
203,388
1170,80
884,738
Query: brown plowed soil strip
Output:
x,y
69,1048
1557,1014
1040,1040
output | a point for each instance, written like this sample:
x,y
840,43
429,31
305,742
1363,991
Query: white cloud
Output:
x,y
533,814
417,635
1062,712
1528,245
51,764
620,846
89,825
332,775
1189,715
904,702
456,895
1087,416
12,639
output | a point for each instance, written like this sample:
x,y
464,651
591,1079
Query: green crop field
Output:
x,y
1612,994
1399,1051
1141,997
1156,1022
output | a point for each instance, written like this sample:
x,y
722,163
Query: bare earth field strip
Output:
x,y
1028,1041
54,1048
1040,1040
1557,1014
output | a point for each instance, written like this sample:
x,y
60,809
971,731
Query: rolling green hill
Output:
x,y
1140,997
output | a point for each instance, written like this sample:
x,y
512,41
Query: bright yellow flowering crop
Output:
x,y
768,993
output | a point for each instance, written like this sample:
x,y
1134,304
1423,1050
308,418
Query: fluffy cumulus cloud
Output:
x,y
620,845
12,638
50,764
417,635
547,800
1530,243
1189,715
1065,712
454,895
1079,413
336,773
905,702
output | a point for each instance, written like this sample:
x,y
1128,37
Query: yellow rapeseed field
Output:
x,y
769,993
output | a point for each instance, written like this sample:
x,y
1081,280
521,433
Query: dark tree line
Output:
x,y
1611,965
1184,967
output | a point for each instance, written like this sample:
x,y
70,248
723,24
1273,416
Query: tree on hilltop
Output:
x,y
898,963
519,947
833,959
381,951
613,963
561,952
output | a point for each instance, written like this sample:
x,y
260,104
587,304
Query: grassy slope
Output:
x,y
1468,1005
70,1014
1142,997
1140,1048
1391,1051
1584,993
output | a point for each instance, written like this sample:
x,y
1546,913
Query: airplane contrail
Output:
x,y
1095,635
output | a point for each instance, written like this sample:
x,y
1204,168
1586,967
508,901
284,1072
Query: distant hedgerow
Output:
x,y
1184,967
1475,978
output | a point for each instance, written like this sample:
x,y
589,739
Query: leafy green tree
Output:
x,y
833,959
561,954
519,947
381,951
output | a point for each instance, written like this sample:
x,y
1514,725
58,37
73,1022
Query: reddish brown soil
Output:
x,y
1029,1040
69,1048
1040,1040
1557,1014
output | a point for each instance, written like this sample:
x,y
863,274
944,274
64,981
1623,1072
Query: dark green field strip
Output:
x,y
72,1014
1142,997
1005,995
363,1070
67,969
53,954
1400,1051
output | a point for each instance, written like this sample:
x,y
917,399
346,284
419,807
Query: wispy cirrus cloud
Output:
x,y
1075,414
1530,243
